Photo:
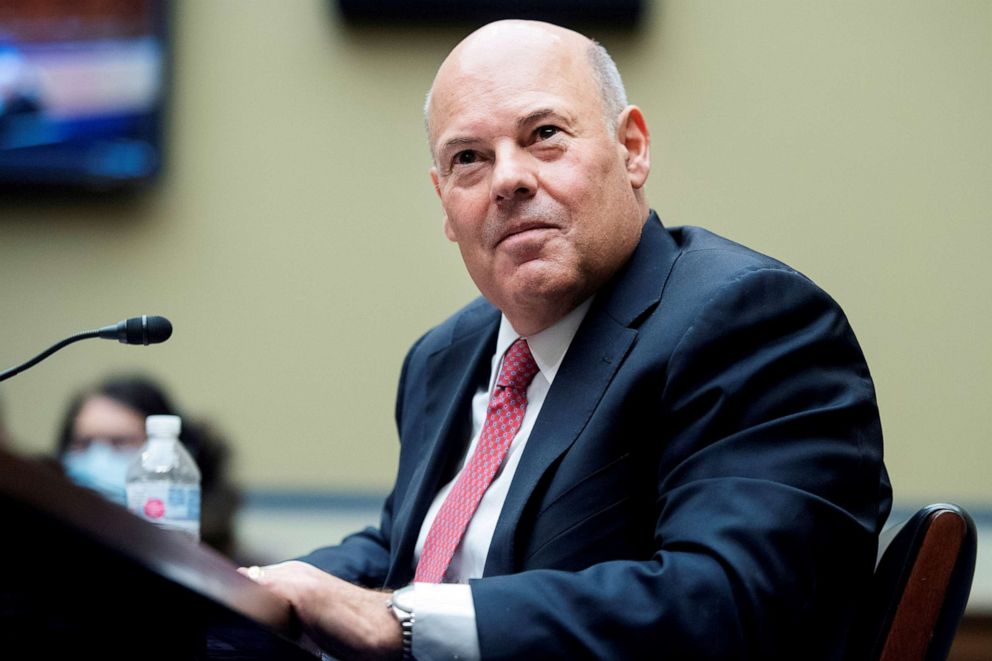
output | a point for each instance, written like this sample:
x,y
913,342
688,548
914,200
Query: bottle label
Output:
x,y
167,504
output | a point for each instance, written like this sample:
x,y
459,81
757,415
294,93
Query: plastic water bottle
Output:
x,y
163,481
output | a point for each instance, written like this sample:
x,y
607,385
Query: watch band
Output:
x,y
404,614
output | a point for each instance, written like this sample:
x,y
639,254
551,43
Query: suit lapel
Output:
x,y
596,353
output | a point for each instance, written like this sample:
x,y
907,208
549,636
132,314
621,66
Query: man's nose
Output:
x,y
514,174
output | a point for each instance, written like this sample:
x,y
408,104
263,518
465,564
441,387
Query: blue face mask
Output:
x,y
102,468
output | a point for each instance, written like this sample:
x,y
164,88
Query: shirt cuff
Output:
x,y
444,622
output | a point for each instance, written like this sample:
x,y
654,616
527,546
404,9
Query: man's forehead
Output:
x,y
505,37
508,63
505,51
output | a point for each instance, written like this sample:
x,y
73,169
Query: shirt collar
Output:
x,y
549,346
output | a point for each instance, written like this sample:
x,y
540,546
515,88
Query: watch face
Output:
x,y
403,599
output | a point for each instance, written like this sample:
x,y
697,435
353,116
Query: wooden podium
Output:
x,y
81,577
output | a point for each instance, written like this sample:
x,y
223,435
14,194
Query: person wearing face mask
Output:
x,y
103,430
101,436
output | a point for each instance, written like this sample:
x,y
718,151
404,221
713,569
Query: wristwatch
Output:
x,y
401,603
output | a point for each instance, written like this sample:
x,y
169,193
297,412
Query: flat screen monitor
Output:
x,y
82,92
570,13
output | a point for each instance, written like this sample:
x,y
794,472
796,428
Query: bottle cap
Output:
x,y
163,425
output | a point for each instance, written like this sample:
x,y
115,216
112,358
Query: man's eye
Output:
x,y
546,132
466,157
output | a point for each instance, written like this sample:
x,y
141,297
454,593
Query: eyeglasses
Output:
x,y
121,442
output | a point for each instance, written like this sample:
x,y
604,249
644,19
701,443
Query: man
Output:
x,y
642,442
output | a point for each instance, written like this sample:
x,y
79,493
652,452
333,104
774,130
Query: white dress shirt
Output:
x,y
445,624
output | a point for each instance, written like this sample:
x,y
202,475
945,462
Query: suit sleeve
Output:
x,y
361,558
364,557
769,490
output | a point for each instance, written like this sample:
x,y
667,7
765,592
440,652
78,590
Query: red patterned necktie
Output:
x,y
503,418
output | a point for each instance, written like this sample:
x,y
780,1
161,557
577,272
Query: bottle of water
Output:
x,y
163,481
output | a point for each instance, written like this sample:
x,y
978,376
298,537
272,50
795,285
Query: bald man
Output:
x,y
639,442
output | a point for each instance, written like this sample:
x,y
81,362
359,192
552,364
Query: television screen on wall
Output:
x,y
82,91
574,13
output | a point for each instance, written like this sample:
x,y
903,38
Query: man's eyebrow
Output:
x,y
539,114
457,142
523,122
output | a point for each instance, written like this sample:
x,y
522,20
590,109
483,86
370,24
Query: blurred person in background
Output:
x,y
103,430
5,439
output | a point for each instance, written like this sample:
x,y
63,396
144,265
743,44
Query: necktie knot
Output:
x,y
519,367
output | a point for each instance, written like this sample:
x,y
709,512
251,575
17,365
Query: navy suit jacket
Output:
x,y
705,479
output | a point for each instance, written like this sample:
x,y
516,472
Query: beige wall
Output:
x,y
295,242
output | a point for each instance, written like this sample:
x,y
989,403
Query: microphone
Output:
x,y
136,330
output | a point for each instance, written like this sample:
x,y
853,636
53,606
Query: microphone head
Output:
x,y
144,330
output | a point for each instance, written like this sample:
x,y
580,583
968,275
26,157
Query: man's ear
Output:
x,y
435,180
448,231
633,135
437,189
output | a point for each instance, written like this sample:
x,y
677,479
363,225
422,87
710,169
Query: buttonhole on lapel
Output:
x,y
607,360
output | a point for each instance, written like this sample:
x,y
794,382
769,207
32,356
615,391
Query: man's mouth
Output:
x,y
522,229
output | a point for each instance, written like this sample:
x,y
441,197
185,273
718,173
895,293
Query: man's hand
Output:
x,y
347,621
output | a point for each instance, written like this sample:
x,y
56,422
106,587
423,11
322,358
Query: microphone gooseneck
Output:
x,y
136,330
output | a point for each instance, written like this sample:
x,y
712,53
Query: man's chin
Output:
x,y
538,274
540,281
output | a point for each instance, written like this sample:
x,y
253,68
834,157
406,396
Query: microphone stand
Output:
x,y
13,371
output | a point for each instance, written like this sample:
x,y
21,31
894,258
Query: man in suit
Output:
x,y
641,442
